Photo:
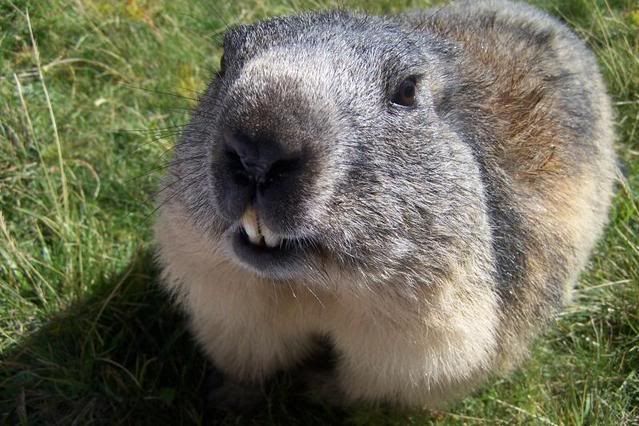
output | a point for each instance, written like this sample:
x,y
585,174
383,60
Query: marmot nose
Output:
x,y
257,162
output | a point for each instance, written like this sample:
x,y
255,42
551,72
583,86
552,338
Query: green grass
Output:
x,y
86,124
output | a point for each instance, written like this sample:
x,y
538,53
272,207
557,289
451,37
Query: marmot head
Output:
x,y
318,146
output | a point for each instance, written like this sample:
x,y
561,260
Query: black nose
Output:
x,y
259,171
258,162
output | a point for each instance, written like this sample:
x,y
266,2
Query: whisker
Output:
x,y
161,92
150,130
165,166
170,198
178,180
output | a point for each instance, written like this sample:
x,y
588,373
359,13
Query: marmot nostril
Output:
x,y
281,169
242,155
237,169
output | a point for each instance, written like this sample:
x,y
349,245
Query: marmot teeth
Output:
x,y
251,223
257,232
271,239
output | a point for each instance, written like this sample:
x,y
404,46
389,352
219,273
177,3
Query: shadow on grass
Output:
x,y
123,356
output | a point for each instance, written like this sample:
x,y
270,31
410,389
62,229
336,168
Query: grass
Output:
x,y
92,94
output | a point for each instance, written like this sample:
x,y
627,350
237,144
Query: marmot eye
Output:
x,y
405,95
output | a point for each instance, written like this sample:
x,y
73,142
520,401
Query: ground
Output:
x,y
92,96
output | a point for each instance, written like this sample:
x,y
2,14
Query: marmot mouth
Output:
x,y
265,252
280,262
264,244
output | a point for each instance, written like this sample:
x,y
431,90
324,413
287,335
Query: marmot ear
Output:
x,y
235,36
234,39
222,69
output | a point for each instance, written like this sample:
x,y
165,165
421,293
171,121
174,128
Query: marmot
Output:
x,y
421,191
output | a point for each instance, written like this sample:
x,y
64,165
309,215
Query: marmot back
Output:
x,y
417,192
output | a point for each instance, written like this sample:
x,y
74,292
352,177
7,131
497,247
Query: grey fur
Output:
x,y
443,236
